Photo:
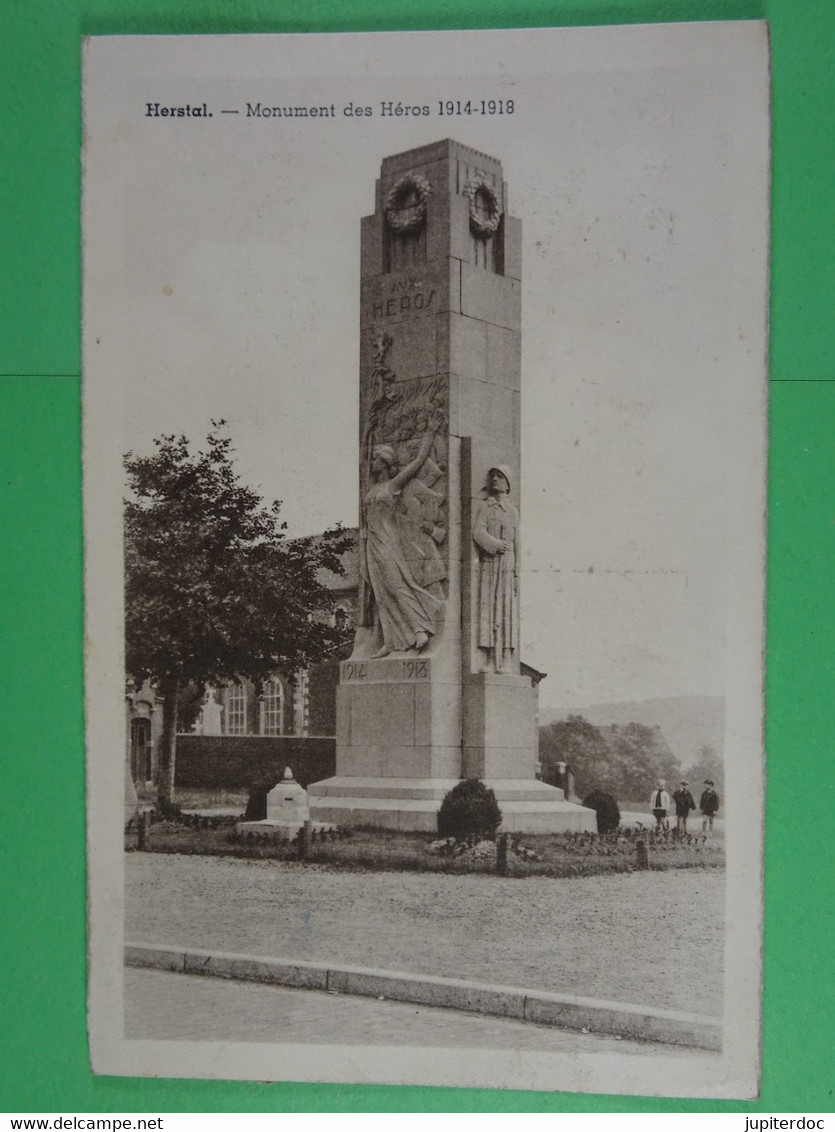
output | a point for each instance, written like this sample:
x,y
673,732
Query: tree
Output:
x,y
575,741
622,760
189,705
214,589
708,765
643,756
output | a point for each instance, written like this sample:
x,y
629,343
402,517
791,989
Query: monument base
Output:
x,y
412,804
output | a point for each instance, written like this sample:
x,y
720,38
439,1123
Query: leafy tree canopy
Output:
x,y
642,756
708,765
214,589
624,761
575,741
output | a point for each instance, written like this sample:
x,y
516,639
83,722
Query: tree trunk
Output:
x,y
169,691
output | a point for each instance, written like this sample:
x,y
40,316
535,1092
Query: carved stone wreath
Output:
x,y
485,212
405,206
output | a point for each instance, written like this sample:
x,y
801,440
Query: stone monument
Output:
x,y
433,691
287,811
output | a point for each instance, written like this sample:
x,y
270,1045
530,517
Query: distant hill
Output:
x,y
686,722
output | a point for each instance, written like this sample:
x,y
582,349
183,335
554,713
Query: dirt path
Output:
x,y
651,938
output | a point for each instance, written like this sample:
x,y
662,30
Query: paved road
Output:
x,y
161,1004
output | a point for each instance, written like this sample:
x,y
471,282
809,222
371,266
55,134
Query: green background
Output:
x,y
43,1048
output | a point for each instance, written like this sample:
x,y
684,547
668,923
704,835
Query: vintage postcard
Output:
x,y
424,479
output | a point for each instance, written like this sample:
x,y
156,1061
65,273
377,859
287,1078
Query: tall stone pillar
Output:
x,y
433,690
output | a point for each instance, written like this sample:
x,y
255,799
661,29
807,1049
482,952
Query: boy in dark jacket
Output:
x,y
708,804
684,804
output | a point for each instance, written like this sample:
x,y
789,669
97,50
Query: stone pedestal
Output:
x,y
287,811
499,734
397,717
527,805
433,690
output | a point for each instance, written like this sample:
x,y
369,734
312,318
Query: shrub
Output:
x,y
256,806
469,812
606,808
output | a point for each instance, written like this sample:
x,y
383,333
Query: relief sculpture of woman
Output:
x,y
405,611
495,530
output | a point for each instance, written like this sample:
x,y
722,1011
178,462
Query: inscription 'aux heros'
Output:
x,y
402,304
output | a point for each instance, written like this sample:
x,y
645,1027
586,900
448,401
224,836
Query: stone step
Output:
x,y
413,804
433,789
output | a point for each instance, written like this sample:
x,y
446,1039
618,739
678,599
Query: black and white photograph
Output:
x,y
425,436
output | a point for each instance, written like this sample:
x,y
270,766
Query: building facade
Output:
x,y
303,704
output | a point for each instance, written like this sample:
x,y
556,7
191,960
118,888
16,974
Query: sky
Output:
x,y
222,280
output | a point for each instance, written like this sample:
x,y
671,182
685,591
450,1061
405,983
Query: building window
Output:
x,y
272,708
340,617
236,710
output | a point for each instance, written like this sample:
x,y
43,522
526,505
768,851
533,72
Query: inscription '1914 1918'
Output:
x,y
388,671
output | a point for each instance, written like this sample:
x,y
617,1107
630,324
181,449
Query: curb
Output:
x,y
598,1016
